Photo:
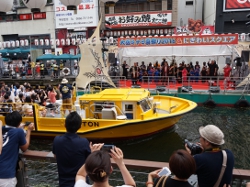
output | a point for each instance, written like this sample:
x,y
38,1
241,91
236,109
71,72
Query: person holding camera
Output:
x,y
98,168
214,166
182,164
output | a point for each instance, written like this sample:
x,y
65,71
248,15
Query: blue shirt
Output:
x,y
13,138
71,152
65,90
208,167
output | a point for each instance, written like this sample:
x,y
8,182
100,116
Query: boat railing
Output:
x,y
170,84
40,169
31,110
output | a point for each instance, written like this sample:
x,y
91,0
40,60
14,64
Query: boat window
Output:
x,y
145,105
100,105
128,107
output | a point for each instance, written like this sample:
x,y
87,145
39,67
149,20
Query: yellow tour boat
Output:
x,y
122,113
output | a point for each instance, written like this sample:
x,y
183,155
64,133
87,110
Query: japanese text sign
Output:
x,y
85,16
224,39
139,19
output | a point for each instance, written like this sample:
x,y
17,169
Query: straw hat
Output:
x,y
64,81
212,134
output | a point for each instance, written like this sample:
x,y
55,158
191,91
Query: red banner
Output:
x,y
236,5
222,39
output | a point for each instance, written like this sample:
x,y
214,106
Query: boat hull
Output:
x,y
94,129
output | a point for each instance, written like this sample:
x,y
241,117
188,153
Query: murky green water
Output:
x,y
235,123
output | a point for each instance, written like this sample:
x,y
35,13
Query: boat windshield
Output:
x,y
145,105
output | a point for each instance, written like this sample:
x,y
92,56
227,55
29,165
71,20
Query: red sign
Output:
x,y
39,15
140,19
222,39
236,5
25,16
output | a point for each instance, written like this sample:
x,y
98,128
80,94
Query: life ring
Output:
x,y
242,103
209,103
65,71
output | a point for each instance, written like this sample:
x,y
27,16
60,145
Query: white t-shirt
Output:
x,y
82,183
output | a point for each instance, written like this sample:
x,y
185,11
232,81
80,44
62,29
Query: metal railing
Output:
x,y
41,170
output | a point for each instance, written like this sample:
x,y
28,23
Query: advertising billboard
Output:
x,y
86,15
236,5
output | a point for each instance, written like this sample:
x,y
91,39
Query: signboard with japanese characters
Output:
x,y
139,19
85,16
223,39
236,5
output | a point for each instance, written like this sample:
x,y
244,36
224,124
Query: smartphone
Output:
x,y
164,171
107,147
27,123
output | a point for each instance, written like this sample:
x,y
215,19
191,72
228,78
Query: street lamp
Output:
x,y
71,4
35,5
6,5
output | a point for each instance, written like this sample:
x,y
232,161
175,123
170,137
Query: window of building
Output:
x,y
123,6
189,2
169,4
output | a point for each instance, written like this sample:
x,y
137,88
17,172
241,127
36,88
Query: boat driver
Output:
x,y
66,90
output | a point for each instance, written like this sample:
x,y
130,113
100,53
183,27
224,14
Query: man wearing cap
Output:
x,y
66,90
209,162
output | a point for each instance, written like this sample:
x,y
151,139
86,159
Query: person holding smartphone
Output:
x,y
98,168
182,164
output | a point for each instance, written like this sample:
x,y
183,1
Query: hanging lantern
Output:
x,y
1,45
26,42
4,44
67,41
8,43
57,42
73,41
35,5
41,42
47,42
6,5
52,42
17,43
62,41
71,4
13,44
36,42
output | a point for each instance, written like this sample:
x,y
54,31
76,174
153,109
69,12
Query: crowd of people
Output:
x,y
83,164
158,72
40,69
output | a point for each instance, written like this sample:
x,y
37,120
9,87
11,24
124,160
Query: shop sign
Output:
x,y
86,15
140,19
203,30
236,5
223,39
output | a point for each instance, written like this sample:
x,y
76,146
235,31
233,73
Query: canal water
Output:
x,y
235,123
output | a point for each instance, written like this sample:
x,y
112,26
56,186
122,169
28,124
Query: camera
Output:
x,y
164,171
194,148
107,148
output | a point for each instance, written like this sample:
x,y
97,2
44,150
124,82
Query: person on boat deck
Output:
x,y
182,164
134,71
98,168
71,151
209,162
13,138
66,90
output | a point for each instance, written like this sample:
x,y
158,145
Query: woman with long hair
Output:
x,y
98,168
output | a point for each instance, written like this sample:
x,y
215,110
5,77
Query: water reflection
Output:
x,y
235,123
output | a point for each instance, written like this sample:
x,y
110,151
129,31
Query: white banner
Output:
x,y
86,15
